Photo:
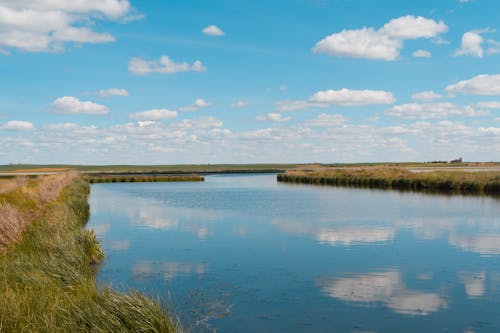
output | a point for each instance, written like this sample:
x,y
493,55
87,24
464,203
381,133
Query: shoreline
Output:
x,y
47,275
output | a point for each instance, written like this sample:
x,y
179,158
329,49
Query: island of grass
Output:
x,y
399,178
48,265
126,178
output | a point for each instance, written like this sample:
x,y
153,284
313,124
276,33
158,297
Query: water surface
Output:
x,y
243,253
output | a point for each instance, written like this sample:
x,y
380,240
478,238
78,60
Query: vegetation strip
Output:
x,y
47,276
114,178
401,179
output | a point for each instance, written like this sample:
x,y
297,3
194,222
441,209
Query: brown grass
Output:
x,y
22,200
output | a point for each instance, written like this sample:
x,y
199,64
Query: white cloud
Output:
x,y
486,85
165,65
471,45
489,105
156,114
45,25
112,9
411,27
426,96
422,54
384,43
17,125
239,104
363,43
342,97
326,120
112,92
347,97
275,117
213,30
198,104
72,105
434,111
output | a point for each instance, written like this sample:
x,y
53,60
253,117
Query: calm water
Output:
x,y
243,253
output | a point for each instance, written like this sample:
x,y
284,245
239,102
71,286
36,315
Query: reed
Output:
x,y
47,276
142,179
401,179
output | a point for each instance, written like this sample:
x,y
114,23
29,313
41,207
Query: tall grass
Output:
x,y
397,178
142,179
47,277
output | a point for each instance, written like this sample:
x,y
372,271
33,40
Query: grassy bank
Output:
x,y
401,179
141,179
47,267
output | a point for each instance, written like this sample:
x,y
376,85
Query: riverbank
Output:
x,y
48,265
400,179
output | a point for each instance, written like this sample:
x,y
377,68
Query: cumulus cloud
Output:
x,y
213,30
156,114
486,85
471,45
426,96
326,120
198,104
273,116
46,25
113,92
165,65
422,54
239,104
434,111
17,125
342,97
384,43
72,105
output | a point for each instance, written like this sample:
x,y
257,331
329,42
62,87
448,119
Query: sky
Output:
x,y
261,81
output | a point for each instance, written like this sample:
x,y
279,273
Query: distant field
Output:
x,y
220,168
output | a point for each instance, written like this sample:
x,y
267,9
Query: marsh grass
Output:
x,y
398,178
142,179
47,276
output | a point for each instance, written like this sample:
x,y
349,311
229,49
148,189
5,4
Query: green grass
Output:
x,y
47,278
141,179
398,178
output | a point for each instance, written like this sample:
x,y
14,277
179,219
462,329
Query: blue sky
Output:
x,y
163,82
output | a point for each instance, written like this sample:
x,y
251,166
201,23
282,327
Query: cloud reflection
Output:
x,y
474,283
383,287
485,244
346,235
167,270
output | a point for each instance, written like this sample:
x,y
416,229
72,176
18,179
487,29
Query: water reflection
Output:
x,y
383,287
243,253
168,270
343,235
485,244
474,283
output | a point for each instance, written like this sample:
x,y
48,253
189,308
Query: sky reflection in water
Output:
x,y
244,253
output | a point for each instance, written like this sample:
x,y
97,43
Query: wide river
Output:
x,y
243,253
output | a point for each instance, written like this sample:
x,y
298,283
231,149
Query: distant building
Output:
x,y
457,161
